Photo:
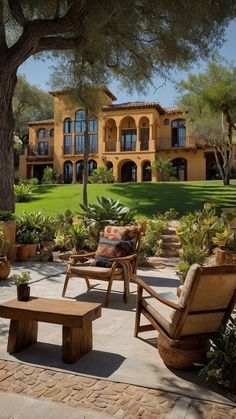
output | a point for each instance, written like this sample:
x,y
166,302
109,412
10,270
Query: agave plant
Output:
x,y
23,193
107,212
79,236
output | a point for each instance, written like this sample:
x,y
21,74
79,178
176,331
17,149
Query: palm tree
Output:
x,y
164,168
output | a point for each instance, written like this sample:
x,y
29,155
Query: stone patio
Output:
x,y
122,376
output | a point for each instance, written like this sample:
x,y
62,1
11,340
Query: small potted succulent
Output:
x,y
21,281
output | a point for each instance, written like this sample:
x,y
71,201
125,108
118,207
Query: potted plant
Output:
x,y
23,290
26,244
47,236
225,253
5,266
8,222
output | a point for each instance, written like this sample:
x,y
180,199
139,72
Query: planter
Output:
x,y
23,292
9,231
5,267
225,257
25,251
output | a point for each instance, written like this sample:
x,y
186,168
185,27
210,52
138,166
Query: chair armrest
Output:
x,y
124,258
82,255
155,294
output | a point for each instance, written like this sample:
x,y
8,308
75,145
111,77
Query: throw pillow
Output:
x,y
109,249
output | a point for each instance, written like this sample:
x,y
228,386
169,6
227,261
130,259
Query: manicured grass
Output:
x,y
146,198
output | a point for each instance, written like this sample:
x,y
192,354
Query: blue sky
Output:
x,y
38,73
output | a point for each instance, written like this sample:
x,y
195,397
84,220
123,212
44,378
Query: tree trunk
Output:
x,y
7,86
86,154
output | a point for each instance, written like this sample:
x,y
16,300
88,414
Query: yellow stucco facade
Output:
x,y
127,137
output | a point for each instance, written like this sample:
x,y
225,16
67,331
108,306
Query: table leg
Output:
x,y
22,333
76,342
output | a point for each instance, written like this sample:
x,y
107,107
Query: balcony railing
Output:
x,y
165,143
34,153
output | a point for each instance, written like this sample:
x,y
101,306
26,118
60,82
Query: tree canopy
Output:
x,y
210,98
130,40
29,104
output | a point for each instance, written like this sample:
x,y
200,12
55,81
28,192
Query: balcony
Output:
x,y
165,143
34,154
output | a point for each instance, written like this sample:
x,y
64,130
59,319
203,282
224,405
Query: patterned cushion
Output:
x,y
110,249
124,233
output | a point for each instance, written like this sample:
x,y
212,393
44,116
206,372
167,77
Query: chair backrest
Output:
x,y
209,295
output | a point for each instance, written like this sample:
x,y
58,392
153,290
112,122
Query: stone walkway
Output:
x,y
102,397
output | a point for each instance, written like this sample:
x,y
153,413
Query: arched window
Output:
x,y
92,164
68,172
52,132
79,167
80,121
166,121
67,126
93,123
178,133
109,165
42,132
179,167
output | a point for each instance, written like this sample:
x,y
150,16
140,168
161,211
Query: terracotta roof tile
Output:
x,y
43,121
134,105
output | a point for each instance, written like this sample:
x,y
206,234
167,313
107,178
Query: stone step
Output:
x,y
170,238
169,253
170,231
171,245
158,261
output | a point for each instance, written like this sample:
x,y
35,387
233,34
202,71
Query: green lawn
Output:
x,y
146,198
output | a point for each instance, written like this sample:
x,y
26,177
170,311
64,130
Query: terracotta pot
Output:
x,y
5,267
32,249
225,257
22,252
23,292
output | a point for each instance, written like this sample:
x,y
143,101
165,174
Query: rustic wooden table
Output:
x,y
75,317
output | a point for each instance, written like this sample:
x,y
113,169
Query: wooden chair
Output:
x,y
207,300
121,269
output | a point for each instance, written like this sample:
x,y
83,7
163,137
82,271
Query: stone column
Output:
x,y
151,138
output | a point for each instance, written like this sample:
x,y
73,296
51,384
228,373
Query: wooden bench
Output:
x,y
75,317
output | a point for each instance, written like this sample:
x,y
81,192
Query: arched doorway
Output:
x,y
179,167
68,172
79,167
129,172
146,172
92,164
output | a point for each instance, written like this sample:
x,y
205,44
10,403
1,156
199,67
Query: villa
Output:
x,y
127,137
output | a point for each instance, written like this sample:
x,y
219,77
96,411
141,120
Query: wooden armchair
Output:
x,y
120,268
207,300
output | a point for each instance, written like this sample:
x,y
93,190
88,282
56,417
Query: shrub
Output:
x,y
6,216
32,220
27,237
107,212
23,193
49,176
32,181
102,175
221,359
79,236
